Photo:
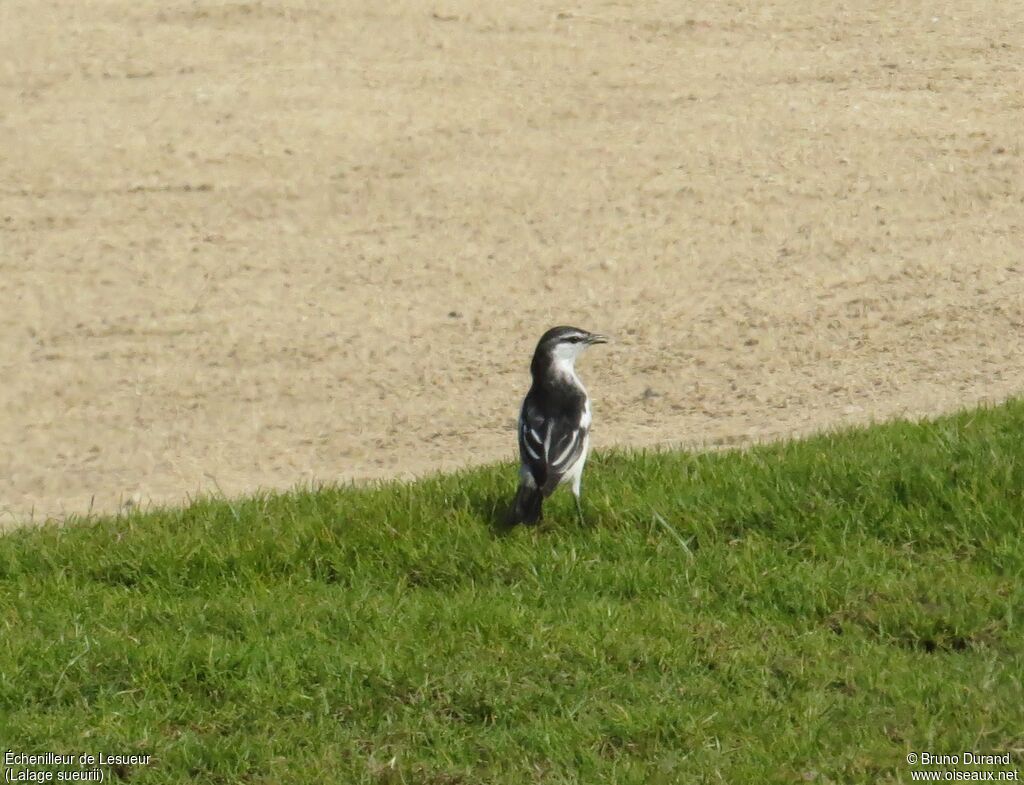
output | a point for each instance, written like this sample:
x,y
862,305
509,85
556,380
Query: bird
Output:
x,y
554,423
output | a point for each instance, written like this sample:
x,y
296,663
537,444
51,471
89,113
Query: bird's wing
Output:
x,y
550,446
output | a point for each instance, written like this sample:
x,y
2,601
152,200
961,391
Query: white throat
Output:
x,y
564,364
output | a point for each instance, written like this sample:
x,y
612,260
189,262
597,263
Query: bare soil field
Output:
x,y
253,244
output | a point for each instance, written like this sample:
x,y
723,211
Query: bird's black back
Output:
x,y
551,433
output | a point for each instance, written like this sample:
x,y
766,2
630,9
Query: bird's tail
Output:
x,y
527,508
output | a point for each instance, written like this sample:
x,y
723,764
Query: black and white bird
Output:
x,y
554,423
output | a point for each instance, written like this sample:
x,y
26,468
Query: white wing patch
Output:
x,y
553,450
532,443
571,442
529,449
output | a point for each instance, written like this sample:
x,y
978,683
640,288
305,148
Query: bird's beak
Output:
x,y
596,338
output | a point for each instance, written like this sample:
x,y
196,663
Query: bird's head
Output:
x,y
560,346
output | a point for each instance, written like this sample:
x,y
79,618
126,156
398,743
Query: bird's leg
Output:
x,y
576,495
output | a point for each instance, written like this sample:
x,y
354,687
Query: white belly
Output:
x,y
575,472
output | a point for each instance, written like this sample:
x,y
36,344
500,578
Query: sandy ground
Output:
x,y
253,244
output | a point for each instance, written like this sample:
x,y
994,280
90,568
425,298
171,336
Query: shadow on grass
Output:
x,y
495,510
491,503
493,507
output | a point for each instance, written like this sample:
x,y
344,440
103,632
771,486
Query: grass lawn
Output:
x,y
810,611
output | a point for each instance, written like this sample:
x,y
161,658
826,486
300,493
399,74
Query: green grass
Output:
x,y
806,611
